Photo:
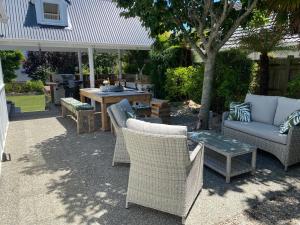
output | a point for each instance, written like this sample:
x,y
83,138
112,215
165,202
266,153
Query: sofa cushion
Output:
x,y
263,108
261,130
240,111
291,121
154,128
285,107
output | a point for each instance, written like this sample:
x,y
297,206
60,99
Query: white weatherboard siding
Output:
x,y
3,113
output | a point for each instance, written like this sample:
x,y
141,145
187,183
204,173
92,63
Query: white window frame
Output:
x,y
63,13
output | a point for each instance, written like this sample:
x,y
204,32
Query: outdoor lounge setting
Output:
x,y
149,112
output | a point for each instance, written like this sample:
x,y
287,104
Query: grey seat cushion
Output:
x,y
285,107
261,130
119,115
125,106
154,128
119,111
263,108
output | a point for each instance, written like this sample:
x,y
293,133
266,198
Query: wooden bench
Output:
x,y
83,113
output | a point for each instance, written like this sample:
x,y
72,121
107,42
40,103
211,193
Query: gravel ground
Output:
x,y
57,177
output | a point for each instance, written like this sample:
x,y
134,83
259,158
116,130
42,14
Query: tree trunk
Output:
x,y
209,65
264,74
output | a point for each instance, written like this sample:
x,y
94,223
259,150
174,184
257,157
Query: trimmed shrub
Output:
x,y
183,83
293,89
29,86
233,74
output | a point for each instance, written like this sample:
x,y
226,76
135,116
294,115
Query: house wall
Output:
x,y
3,113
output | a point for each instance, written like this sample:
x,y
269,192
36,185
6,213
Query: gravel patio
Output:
x,y
59,177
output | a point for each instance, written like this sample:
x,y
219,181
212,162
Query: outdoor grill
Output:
x,y
66,86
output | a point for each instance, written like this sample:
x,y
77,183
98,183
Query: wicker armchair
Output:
x,y
163,175
118,117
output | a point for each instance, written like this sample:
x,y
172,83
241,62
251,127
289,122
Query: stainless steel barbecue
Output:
x,y
66,86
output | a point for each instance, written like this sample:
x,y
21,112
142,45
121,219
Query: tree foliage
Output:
x,y
11,61
58,62
205,24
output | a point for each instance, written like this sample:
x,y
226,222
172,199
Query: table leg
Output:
x,y
104,117
82,98
253,162
228,169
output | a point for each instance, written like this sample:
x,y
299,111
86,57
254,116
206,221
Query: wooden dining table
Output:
x,y
107,98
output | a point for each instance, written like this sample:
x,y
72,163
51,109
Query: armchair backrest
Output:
x,y
118,113
162,153
166,152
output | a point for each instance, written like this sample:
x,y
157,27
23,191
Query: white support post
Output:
x,y
80,65
91,66
92,70
120,64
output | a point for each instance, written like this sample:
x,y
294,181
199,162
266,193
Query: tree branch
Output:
x,y
195,47
237,23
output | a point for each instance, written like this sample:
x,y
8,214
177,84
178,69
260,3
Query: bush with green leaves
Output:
x,y
183,83
27,87
233,75
166,54
41,73
293,89
11,61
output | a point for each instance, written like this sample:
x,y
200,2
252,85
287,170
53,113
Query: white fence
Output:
x,y
3,113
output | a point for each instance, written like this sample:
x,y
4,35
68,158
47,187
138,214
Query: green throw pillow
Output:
x,y
240,111
291,121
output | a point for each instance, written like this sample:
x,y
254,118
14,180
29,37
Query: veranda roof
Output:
x,y
92,23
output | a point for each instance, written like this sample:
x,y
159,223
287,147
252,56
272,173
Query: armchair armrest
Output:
x,y
194,180
196,152
293,143
294,136
224,117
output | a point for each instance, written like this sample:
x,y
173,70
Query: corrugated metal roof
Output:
x,y
94,23
233,42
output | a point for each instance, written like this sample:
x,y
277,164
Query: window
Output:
x,y
51,11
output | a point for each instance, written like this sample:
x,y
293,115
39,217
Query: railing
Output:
x,y
3,113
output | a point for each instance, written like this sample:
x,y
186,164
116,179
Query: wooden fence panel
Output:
x,y
281,72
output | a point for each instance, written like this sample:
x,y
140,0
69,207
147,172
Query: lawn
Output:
x,y
29,103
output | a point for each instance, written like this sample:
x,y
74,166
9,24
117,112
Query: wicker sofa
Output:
x,y
118,117
163,175
267,113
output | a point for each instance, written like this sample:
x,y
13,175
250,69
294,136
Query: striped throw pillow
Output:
x,y
240,111
291,121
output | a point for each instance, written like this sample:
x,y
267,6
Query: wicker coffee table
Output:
x,y
221,154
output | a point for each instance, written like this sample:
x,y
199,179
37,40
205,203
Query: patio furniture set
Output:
x,y
165,175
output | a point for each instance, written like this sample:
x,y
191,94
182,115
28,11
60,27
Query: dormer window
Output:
x,y
52,12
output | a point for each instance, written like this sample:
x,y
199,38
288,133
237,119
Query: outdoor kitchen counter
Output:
x,y
107,98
